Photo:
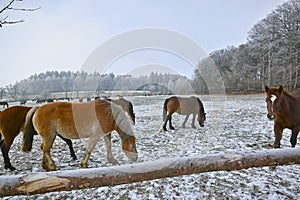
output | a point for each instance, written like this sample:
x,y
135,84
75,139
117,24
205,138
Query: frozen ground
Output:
x,y
234,123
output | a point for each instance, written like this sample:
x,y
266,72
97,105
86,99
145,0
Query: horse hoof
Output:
x,y
10,167
74,157
84,165
116,163
49,168
172,128
276,146
113,161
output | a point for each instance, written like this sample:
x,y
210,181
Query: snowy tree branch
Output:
x,y
9,6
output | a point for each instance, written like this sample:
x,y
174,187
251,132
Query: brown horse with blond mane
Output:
x,y
91,120
12,121
284,108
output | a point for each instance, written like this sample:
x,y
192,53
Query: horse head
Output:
x,y
123,127
273,100
201,114
129,147
201,119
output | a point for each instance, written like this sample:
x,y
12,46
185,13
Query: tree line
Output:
x,y
44,84
271,55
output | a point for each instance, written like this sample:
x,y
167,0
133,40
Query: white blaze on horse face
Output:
x,y
273,98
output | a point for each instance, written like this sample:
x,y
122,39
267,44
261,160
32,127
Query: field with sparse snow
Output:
x,y
234,123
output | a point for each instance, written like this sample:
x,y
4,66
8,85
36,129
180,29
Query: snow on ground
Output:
x,y
234,123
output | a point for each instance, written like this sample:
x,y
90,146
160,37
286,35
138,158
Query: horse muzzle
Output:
x,y
271,117
131,156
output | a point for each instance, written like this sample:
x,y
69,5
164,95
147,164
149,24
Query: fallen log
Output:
x,y
42,182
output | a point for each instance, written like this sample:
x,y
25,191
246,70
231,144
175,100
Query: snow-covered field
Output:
x,y
234,123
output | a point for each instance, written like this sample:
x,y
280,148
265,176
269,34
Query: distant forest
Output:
x,y
271,56
43,84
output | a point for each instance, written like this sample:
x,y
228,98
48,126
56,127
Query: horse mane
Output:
x,y
119,116
287,93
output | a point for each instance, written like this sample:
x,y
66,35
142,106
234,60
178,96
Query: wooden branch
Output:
x,y
35,183
11,22
24,9
9,7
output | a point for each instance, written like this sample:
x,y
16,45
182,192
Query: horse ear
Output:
x,y
280,89
267,88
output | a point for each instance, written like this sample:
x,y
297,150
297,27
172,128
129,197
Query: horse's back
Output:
x,y
188,105
173,104
296,94
296,107
12,118
71,120
49,117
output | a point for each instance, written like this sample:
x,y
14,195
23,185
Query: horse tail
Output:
x,y
130,110
29,130
165,109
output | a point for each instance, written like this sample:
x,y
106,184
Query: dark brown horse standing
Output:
x,y
12,120
284,108
183,106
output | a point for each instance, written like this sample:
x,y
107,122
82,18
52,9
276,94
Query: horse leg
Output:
x,y
193,121
293,139
110,157
48,163
5,147
69,143
91,145
168,118
7,164
278,135
185,120
170,123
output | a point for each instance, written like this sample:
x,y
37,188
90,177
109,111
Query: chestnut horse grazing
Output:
x,y
126,106
183,106
284,108
12,121
91,120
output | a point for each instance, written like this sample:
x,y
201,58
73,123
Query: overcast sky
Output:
x,y
62,34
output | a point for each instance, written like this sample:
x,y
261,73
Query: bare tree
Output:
x,y
10,7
